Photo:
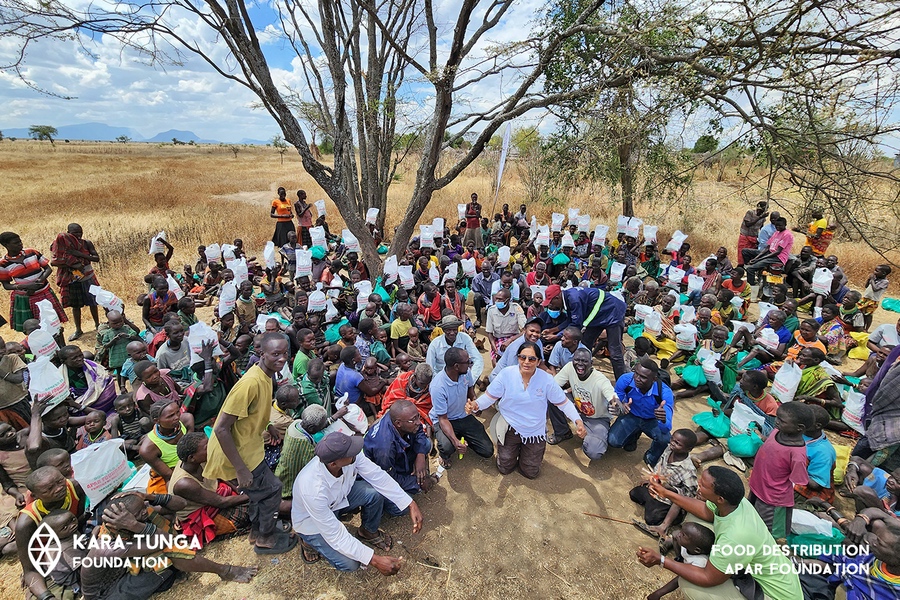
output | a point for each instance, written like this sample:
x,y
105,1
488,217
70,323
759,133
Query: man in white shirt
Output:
x,y
453,338
506,281
591,393
328,486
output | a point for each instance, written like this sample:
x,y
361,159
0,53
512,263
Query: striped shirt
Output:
x,y
24,268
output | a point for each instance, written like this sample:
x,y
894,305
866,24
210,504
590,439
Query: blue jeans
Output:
x,y
694,298
362,495
628,428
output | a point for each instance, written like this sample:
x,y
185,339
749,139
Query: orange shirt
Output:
x,y
282,209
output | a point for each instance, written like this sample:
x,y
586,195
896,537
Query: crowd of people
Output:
x,y
317,392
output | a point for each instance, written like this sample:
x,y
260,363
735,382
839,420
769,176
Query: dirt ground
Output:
x,y
485,535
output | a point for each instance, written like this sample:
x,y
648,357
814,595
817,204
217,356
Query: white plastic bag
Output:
x,y
650,233
787,379
543,237
688,314
336,282
213,253
434,275
677,240
854,408
48,317
362,299
573,215
437,226
600,235
330,311
804,522
46,381
556,221
320,207
350,241
426,236
675,275
316,302
107,299
175,287
101,468
468,267
317,237
139,482
461,211
768,339
685,336
741,417
200,332
372,216
538,289
584,223
241,273
633,229
303,263
353,423
694,283
390,269
156,246
711,371
269,255
227,298
737,325
567,241
503,256
642,311
452,272
737,302
41,343
405,273
653,324
621,224
764,309
821,281
364,287
228,255
616,272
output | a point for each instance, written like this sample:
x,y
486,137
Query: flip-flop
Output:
x,y
734,461
309,554
382,541
644,528
283,543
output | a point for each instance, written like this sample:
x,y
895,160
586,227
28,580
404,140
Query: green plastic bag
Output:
x,y
635,331
332,334
693,375
813,545
561,259
683,299
891,304
716,426
745,445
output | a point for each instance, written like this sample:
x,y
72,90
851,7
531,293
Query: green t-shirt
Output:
x,y
743,542
300,362
792,323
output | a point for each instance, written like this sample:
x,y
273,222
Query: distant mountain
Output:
x,y
249,142
183,136
100,132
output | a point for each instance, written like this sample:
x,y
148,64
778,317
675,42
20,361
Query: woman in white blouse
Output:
x,y
523,392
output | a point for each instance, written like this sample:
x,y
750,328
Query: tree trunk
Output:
x,y
626,176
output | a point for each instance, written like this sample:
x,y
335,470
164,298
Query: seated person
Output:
x,y
128,423
693,543
822,459
817,387
676,472
412,386
871,486
300,444
758,350
287,399
64,582
91,385
212,508
880,343
693,370
94,430
398,444
341,475
159,448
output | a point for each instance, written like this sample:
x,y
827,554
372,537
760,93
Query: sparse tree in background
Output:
x,y
705,143
123,139
280,146
234,150
43,132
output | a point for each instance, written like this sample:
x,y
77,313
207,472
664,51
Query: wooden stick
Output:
x,y
431,566
608,518
555,575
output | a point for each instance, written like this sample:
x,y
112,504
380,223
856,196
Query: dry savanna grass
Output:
x,y
485,535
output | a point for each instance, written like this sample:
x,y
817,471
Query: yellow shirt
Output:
x,y
400,329
250,401
817,225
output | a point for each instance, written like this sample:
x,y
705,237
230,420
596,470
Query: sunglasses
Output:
x,y
529,359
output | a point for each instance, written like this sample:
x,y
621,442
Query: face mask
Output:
x,y
554,314
500,305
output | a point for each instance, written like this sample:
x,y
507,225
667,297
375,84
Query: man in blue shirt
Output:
x,y
397,443
645,405
564,349
347,379
450,389
481,286
593,311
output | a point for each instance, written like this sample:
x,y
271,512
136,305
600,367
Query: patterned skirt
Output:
x,y
23,307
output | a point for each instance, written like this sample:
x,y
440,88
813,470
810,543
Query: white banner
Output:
x,y
503,152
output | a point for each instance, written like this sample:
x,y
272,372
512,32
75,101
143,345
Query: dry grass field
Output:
x,y
485,535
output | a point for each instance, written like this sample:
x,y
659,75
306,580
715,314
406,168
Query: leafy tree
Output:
x,y
123,139
234,150
705,143
42,132
526,140
280,146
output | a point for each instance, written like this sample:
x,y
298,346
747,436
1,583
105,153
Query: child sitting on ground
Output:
x,y
876,286
822,459
128,423
694,543
676,472
780,465
287,399
642,347
871,486
94,430
65,583
416,348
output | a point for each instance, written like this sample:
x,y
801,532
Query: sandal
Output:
x,y
283,543
734,461
643,527
309,554
382,540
